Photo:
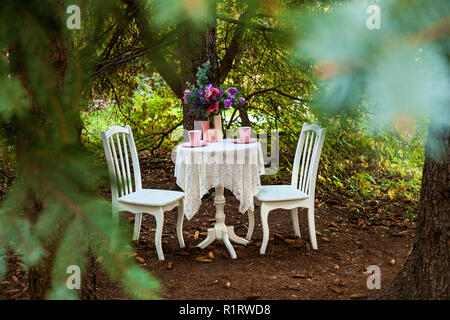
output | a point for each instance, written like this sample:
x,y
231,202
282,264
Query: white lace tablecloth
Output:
x,y
237,167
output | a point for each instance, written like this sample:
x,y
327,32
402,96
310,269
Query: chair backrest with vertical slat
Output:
x,y
120,152
307,155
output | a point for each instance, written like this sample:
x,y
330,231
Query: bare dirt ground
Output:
x,y
348,243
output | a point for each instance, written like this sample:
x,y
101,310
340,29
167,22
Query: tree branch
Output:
x,y
227,62
164,135
256,93
251,25
166,70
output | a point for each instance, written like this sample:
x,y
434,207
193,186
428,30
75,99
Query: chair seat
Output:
x,y
152,197
280,193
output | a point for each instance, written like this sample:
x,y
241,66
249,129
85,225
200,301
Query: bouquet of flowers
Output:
x,y
207,100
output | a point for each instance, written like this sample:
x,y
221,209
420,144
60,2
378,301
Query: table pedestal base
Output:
x,y
220,230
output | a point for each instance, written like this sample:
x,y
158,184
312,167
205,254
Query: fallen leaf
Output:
x,y
169,265
279,236
203,259
358,296
211,254
392,262
11,291
299,276
334,225
197,233
228,284
335,289
141,260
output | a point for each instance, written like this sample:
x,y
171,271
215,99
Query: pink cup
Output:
x,y
244,133
205,128
195,137
211,135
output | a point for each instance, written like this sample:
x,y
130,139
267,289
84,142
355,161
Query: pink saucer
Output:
x,y
189,145
252,140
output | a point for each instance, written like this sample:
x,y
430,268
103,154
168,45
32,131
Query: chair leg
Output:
x,y
180,224
294,214
137,225
312,227
159,217
251,224
265,227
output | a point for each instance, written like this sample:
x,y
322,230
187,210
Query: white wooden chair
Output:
x,y
300,193
119,146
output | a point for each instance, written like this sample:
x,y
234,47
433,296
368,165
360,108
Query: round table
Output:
x,y
220,165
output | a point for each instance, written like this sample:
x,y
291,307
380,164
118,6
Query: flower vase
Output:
x,y
218,127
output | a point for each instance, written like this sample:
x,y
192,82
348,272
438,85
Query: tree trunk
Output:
x,y
40,275
245,121
196,48
426,273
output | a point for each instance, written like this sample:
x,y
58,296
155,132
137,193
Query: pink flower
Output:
x,y
212,93
186,93
214,107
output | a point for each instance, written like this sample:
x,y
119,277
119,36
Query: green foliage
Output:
x,y
53,202
370,79
151,111
398,69
201,76
358,163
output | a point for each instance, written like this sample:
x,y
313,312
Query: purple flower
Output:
x,y
227,103
232,91
220,93
241,101
201,94
209,86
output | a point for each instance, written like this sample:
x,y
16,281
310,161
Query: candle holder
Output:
x,y
218,128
